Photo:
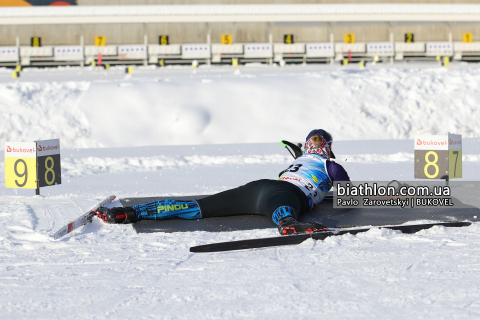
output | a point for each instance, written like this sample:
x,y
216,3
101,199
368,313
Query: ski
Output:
x,y
83,219
319,235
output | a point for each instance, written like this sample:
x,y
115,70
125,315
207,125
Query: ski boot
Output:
x,y
116,215
289,225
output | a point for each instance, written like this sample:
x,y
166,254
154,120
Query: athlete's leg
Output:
x,y
283,202
167,209
241,200
280,199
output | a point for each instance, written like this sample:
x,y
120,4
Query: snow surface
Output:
x,y
177,106
114,131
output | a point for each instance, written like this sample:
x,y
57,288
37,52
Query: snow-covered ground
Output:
x,y
178,106
175,132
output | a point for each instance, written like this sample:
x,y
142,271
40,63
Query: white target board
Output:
x,y
258,50
196,51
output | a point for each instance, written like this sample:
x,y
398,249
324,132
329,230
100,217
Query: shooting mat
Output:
x,y
323,213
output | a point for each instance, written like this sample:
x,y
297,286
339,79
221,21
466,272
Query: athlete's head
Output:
x,y
318,142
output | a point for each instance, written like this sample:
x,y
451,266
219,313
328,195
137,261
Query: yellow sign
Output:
x,y
36,42
467,37
227,39
349,37
21,173
409,38
455,163
100,41
21,165
163,40
129,70
288,38
235,62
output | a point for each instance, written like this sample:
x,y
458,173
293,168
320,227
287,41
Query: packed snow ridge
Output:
x,y
175,106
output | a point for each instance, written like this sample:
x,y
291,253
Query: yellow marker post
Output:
x,y
446,61
439,59
18,68
235,62
14,75
129,70
161,62
93,63
107,66
345,62
362,64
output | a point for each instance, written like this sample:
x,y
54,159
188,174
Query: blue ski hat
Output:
x,y
324,147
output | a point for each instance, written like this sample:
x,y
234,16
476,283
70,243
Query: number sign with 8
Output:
x,y
438,157
36,42
48,159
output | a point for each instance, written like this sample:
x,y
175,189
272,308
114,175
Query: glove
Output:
x,y
288,225
116,215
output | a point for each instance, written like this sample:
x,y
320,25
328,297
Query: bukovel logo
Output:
x,y
455,142
430,143
24,150
47,148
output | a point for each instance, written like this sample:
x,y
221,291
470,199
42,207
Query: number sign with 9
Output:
x,y
20,165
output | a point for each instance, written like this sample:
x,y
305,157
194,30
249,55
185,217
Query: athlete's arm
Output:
x,y
337,172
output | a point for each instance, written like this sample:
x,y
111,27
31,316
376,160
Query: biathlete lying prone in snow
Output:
x,y
299,188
